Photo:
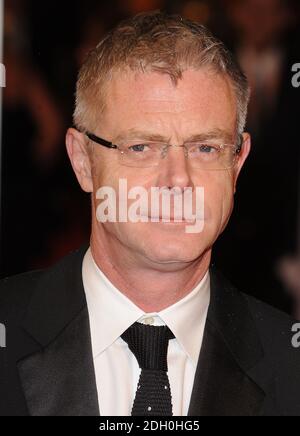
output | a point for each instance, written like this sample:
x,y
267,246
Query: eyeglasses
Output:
x,y
205,155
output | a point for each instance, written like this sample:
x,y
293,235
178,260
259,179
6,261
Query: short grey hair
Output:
x,y
154,42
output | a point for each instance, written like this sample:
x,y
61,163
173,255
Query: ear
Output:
x,y
80,159
246,147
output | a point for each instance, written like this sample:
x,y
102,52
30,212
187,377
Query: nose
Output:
x,y
174,169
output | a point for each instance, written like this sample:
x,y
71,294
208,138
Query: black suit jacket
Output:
x,y
247,365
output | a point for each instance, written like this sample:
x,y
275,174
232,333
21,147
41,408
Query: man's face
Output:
x,y
202,102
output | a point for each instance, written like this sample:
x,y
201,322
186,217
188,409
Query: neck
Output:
x,y
149,285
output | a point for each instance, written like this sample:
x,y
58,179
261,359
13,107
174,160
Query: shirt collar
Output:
x,y
112,312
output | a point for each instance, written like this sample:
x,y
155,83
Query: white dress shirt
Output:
x,y
116,368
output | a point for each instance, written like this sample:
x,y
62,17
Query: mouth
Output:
x,y
170,220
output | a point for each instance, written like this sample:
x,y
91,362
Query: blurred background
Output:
x,y
44,213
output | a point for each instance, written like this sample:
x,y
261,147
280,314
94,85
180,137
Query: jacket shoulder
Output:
x,y
270,321
16,291
280,335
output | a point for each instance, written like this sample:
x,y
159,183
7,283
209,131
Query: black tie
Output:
x,y
149,344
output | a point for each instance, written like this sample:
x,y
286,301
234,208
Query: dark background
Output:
x,y
44,213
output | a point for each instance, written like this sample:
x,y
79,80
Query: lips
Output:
x,y
170,219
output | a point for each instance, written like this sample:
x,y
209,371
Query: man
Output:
x,y
139,323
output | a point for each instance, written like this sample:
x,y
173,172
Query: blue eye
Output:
x,y
207,148
138,148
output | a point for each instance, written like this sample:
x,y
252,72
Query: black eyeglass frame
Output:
x,y
109,144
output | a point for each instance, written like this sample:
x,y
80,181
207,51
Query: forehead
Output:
x,y
201,100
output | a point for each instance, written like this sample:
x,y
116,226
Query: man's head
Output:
x,y
153,42
158,78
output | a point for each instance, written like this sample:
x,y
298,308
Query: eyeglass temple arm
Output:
x,y
239,144
100,141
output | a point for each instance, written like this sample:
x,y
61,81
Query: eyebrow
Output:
x,y
217,133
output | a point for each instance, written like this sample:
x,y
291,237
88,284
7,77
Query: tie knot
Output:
x,y
149,344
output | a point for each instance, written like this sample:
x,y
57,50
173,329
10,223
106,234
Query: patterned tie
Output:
x,y
149,344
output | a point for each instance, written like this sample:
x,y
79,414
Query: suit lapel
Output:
x,y
58,376
231,348
221,387
59,380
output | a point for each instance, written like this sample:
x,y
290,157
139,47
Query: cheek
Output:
x,y
104,173
218,194
103,178
121,179
109,173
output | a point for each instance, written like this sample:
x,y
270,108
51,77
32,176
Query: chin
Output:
x,y
174,250
166,244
